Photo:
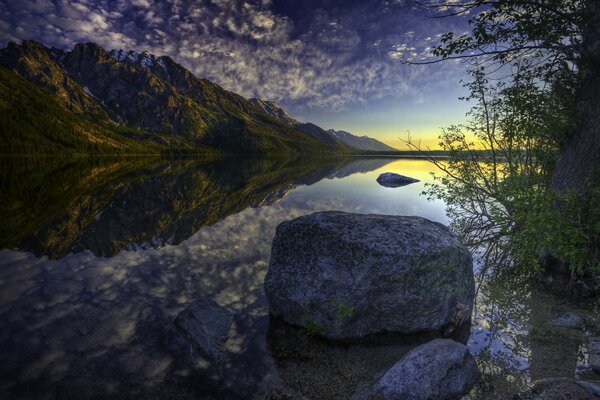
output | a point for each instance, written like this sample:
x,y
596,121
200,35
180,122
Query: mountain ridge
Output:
x,y
330,136
105,99
99,101
361,142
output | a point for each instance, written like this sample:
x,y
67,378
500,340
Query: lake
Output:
x,y
99,256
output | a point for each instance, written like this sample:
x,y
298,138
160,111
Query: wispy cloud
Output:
x,y
309,54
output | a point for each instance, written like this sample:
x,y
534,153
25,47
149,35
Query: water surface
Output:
x,y
98,257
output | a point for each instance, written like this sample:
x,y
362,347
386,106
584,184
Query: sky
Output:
x,y
336,63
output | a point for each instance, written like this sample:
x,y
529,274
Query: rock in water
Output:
x,y
558,389
206,324
568,320
392,180
347,276
440,369
594,353
591,386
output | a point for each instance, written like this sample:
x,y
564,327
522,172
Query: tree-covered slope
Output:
x,y
33,121
89,100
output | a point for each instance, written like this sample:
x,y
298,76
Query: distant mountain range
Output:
x,y
89,100
360,142
330,136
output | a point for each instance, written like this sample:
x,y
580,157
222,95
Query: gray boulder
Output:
x,y
440,369
392,180
206,325
347,276
594,353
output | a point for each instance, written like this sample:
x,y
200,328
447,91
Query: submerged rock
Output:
x,y
594,353
206,324
392,180
591,386
347,276
558,389
322,369
568,320
440,369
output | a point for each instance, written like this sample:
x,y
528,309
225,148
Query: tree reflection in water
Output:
x,y
99,257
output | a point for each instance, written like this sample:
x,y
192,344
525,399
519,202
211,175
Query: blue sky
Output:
x,y
335,63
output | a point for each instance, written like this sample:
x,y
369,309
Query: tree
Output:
x,y
579,158
549,37
542,121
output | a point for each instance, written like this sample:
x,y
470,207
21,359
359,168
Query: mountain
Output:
x,y
361,142
313,130
330,136
275,110
88,100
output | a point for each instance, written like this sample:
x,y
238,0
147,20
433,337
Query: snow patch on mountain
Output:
x,y
331,136
143,59
274,110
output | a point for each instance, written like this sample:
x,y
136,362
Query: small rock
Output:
x,y
348,276
440,369
591,386
392,180
558,389
594,353
206,324
568,320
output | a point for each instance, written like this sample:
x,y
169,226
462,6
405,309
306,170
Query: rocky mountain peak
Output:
x,y
145,59
273,109
152,97
87,54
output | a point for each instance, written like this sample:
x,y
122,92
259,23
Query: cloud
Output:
x,y
328,55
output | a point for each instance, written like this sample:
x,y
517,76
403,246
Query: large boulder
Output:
x,y
440,369
348,276
392,180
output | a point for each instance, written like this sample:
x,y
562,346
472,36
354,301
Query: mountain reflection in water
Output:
x,y
133,204
98,257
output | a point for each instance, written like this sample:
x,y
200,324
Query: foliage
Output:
x,y
33,122
547,33
573,235
499,163
313,328
342,311
496,181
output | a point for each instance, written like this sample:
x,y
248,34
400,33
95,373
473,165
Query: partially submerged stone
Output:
x,y
322,369
440,369
594,353
206,324
392,180
568,320
591,386
558,389
348,276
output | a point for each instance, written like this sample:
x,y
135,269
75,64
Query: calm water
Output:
x,y
99,257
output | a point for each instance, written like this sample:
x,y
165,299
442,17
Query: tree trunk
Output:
x,y
579,154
